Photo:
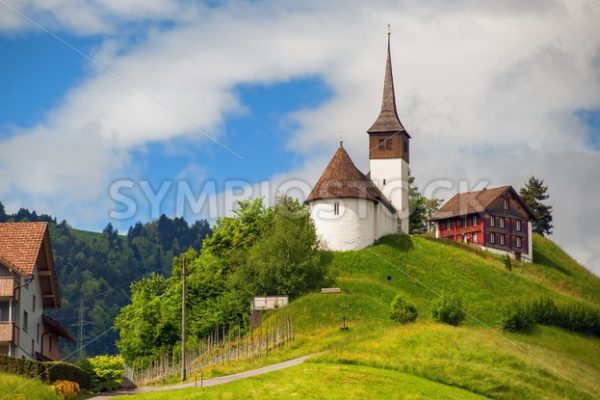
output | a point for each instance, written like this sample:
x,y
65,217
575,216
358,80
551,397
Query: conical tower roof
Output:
x,y
388,120
341,179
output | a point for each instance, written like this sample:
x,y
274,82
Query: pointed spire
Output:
x,y
388,120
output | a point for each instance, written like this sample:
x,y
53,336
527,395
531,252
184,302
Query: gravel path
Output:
x,y
207,382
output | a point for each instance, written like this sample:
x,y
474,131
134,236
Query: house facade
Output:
x,y
352,210
28,287
495,219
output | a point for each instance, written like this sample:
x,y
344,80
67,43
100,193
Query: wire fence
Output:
x,y
224,344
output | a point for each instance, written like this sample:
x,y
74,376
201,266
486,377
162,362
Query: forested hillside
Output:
x,y
99,267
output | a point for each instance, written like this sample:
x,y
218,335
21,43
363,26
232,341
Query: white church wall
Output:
x,y
386,222
391,177
352,229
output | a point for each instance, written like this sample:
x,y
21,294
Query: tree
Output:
x,y
417,208
259,250
285,260
432,205
3,215
239,231
535,193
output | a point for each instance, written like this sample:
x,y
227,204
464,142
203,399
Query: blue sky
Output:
x,y
35,72
40,70
490,92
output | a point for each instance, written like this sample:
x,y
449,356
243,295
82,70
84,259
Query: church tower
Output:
x,y
389,150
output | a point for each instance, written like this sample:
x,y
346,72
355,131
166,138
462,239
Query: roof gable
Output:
x,y
20,244
476,202
25,246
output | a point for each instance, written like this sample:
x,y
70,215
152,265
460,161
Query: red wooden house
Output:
x,y
494,219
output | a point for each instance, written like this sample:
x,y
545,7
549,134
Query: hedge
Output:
x,y
573,316
46,371
19,366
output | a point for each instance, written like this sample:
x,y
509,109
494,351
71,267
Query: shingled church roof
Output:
x,y
388,120
341,179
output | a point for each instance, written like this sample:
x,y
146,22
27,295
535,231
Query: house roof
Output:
x,y
25,246
20,244
388,120
341,179
474,202
57,328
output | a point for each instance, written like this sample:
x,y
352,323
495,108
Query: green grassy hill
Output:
x,y
377,358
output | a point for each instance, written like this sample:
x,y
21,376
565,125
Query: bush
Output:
x,y
66,389
403,311
61,371
107,372
517,318
544,311
448,311
507,262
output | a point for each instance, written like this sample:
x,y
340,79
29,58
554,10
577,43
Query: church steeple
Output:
x,y
388,120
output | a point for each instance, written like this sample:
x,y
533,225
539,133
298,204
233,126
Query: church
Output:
x,y
352,210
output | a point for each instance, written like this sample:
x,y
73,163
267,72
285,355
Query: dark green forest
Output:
x,y
100,267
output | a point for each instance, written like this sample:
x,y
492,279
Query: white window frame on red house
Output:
x,y
502,241
518,225
492,238
492,220
506,204
475,238
501,222
474,220
519,242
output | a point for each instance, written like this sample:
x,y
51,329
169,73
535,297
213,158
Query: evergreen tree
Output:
x,y
3,216
535,193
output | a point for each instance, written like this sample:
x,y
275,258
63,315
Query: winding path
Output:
x,y
207,382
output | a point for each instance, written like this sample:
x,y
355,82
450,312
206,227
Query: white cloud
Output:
x,y
503,127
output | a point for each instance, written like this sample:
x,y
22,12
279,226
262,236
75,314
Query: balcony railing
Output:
x,y
9,332
7,286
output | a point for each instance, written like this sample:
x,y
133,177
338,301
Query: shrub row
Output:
x,y
47,371
575,317
19,366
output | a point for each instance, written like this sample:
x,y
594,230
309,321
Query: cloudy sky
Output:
x,y
146,94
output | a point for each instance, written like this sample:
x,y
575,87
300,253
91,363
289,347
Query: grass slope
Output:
x,y
14,387
416,360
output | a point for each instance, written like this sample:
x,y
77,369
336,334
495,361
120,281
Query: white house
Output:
x,y
350,209
28,286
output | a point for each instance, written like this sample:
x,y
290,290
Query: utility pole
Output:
x,y
183,325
